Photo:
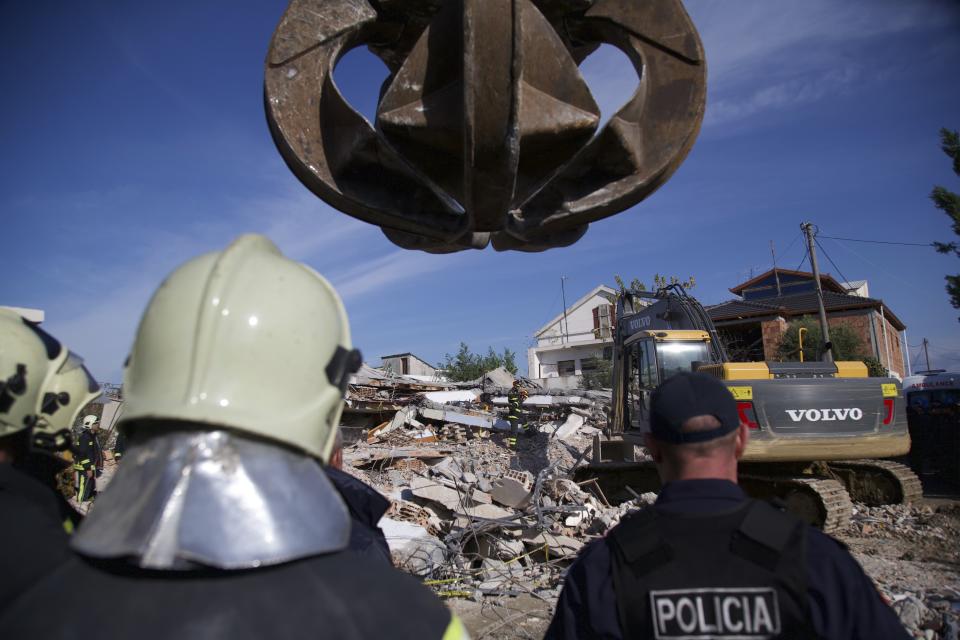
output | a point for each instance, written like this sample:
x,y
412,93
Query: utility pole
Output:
x,y
926,354
807,229
563,295
776,274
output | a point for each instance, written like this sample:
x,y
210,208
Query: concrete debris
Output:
x,y
481,520
510,492
448,397
412,547
434,492
571,425
469,512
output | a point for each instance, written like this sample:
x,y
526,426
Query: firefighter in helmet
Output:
x,y
42,389
222,511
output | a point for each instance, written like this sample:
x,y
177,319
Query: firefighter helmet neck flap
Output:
x,y
234,390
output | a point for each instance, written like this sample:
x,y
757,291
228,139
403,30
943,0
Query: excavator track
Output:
x,y
822,502
877,482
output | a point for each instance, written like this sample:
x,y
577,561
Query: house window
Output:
x,y
566,368
588,365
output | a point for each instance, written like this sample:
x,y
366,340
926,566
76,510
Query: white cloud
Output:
x,y
372,274
784,95
96,313
768,55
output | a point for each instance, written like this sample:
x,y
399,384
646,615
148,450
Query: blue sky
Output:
x,y
134,138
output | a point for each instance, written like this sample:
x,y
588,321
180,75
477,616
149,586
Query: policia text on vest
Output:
x,y
715,613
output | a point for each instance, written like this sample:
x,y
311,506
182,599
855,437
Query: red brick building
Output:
x,y
755,323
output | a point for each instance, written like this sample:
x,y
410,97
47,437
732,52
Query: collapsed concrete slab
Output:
x,y
412,547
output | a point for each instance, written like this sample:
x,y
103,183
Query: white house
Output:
x,y
572,343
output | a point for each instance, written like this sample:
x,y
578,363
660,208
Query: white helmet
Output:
x,y
89,421
29,357
64,396
246,339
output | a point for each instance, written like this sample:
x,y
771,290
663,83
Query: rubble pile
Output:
x,y
496,527
470,515
911,553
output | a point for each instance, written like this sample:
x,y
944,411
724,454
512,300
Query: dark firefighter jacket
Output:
x,y
366,507
34,521
86,451
339,595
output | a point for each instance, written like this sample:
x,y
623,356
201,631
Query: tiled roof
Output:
x,y
796,305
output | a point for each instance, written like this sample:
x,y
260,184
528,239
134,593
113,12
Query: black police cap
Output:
x,y
688,395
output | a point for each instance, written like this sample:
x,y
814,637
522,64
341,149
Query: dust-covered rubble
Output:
x,y
495,528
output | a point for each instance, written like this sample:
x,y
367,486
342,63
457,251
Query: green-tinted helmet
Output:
x,y
247,339
64,396
29,358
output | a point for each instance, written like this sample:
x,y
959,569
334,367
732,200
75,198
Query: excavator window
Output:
x,y
676,357
643,378
647,364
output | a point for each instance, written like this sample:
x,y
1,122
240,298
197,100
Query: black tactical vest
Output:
x,y
738,574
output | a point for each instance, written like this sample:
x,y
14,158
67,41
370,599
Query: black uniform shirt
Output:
x,y
843,601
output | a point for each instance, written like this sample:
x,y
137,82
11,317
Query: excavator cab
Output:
x,y
654,356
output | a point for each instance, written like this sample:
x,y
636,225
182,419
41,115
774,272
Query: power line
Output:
x,y
790,246
906,244
830,260
806,252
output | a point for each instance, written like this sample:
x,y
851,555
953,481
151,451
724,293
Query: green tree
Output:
x,y
465,365
949,202
601,377
847,345
659,282
875,368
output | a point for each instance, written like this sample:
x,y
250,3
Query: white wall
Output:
x,y
415,366
580,321
545,362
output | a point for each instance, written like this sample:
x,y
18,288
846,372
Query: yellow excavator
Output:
x,y
819,430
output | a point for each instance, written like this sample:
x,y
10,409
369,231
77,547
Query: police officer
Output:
x,y
515,399
221,521
707,562
85,460
42,388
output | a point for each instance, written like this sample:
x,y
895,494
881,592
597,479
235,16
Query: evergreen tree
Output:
x,y
949,202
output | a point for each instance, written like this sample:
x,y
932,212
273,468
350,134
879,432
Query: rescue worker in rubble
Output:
x,y
42,389
85,460
365,504
515,399
221,519
706,561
